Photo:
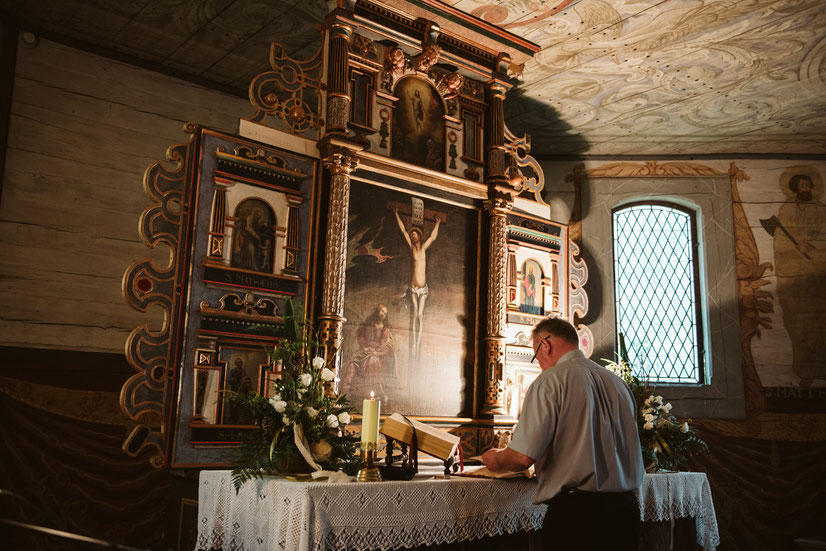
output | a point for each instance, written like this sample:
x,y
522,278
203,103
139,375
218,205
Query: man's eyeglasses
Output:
x,y
535,352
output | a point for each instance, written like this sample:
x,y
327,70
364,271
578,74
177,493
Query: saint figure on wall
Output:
x,y
800,265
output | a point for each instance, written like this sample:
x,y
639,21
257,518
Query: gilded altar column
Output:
x,y
500,201
332,319
338,100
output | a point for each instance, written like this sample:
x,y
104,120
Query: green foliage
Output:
x,y
666,442
303,396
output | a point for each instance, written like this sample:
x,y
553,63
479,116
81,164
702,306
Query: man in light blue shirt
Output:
x,y
578,425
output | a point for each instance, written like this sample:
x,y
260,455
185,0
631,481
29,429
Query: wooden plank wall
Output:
x,y
83,129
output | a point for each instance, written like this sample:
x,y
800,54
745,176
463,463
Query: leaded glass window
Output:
x,y
657,290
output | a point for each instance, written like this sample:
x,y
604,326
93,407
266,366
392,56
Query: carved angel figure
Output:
x,y
427,58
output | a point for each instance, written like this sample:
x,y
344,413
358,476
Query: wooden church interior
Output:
x,y
273,149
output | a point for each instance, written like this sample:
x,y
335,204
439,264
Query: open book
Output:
x,y
484,472
432,441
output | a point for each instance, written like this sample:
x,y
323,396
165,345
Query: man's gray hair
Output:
x,y
557,327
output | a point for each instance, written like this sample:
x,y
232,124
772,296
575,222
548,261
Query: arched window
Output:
x,y
657,290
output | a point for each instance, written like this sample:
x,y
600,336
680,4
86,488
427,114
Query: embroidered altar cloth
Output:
x,y
274,513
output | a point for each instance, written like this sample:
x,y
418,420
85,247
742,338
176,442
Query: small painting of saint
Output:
x,y
418,124
252,238
530,288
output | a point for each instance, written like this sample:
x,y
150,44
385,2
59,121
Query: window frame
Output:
x,y
709,193
698,283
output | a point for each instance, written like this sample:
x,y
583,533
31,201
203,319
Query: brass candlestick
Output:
x,y
368,472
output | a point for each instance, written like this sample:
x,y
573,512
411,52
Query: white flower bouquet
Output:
x,y
666,442
302,426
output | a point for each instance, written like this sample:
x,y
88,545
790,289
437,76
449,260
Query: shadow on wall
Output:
x,y
553,139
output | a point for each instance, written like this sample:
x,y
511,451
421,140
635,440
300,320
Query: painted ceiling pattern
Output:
x,y
614,77
668,76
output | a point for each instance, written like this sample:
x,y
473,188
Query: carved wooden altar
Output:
x,y
377,185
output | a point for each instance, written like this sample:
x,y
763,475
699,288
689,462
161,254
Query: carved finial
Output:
x,y
427,58
395,63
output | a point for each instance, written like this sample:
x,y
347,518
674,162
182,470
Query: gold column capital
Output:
x,y
340,163
498,205
341,30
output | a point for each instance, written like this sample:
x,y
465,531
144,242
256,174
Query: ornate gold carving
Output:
x,y
497,275
427,59
363,46
338,111
144,395
340,166
395,63
494,377
290,92
519,150
449,85
250,308
652,168
498,205
340,163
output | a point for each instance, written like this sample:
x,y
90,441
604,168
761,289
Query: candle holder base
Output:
x,y
368,472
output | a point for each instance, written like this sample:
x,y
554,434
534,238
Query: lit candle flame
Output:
x,y
372,396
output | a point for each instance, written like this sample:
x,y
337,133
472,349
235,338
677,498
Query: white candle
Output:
x,y
371,409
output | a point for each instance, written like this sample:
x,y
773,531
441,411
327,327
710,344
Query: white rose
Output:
x,y
279,405
318,362
648,426
332,421
312,412
306,379
684,427
667,407
649,400
285,420
327,374
659,399
650,418
344,418
275,399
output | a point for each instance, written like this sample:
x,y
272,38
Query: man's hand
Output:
x,y
506,459
491,461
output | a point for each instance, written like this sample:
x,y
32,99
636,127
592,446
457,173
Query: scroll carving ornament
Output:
x,y
578,307
143,395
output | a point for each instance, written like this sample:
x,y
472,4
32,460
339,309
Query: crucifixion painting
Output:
x,y
417,291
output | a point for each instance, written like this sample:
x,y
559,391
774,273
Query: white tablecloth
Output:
x,y
277,514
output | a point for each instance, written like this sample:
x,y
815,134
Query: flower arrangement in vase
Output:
x,y
301,426
666,443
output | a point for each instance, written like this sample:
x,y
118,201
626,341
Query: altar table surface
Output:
x,y
275,514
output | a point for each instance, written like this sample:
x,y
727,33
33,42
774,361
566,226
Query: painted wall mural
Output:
x,y
788,219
